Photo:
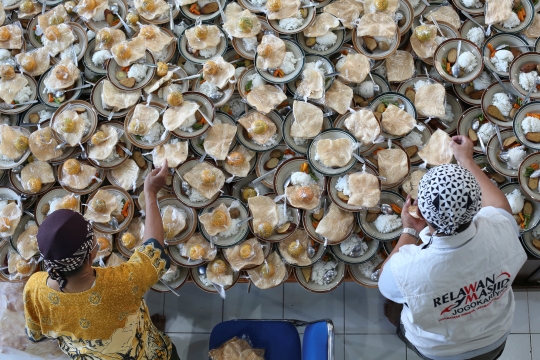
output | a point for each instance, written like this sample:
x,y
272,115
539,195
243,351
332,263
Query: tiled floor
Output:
x,y
362,331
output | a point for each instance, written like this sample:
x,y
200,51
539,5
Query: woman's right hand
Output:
x,y
463,149
156,179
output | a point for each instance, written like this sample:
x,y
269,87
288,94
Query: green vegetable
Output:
x,y
481,118
313,176
249,85
527,220
201,144
528,171
197,126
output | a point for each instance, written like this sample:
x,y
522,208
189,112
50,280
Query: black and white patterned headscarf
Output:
x,y
449,196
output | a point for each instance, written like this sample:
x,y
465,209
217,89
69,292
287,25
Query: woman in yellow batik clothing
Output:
x,y
98,313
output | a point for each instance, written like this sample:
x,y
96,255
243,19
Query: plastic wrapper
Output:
x,y
312,85
16,39
10,88
27,12
42,61
304,197
238,161
426,45
393,165
271,52
449,15
125,57
364,126
218,140
43,144
246,254
142,120
174,221
396,121
241,23
67,78
201,37
10,216
265,215
2,15
101,214
160,9
10,138
270,274
113,98
216,221
308,120
259,132
61,42
156,40
400,66
378,24
438,150
105,242
533,31
197,248
334,153
180,116
69,202
87,14
39,170
218,272
410,185
156,83
322,25
142,201
339,97
288,9
354,68
294,248
104,149
70,126
430,100
201,171
371,8
335,225
218,72
115,259
266,98
111,36
364,189
175,153
57,12
19,268
236,349
14,342
27,241
133,236
80,180
171,274
347,11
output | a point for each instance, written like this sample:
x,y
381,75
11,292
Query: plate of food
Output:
x,y
331,153
55,85
77,48
356,249
259,132
193,252
471,31
131,237
289,18
279,61
527,178
525,210
334,225
108,99
499,60
272,221
524,72
475,126
20,88
249,80
526,125
520,18
248,254
513,151
16,149
306,118
243,189
197,184
363,124
498,106
246,44
482,161
110,209
156,11
24,239
134,76
323,276
130,174
35,178
79,177
160,41
74,123
55,199
300,250
322,37
144,128
217,137
199,43
361,273
377,42
273,272
202,10
383,226
185,118
391,162
469,61
107,146
268,162
175,277
217,274
301,87
415,141
472,92
16,268
391,106
531,241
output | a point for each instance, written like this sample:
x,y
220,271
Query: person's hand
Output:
x,y
408,220
463,149
156,179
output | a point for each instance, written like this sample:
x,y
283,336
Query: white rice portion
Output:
x,y
365,89
3,204
100,56
448,115
284,218
195,196
512,21
530,124
232,230
188,124
5,56
486,132
483,81
440,39
292,23
387,223
528,80
154,135
502,102
45,115
367,267
472,3
190,68
53,204
163,54
250,44
87,122
301,179
90,35
476,35
516,200
179,29
516,156
114,155
208,52
325,41
28,224
271,142
289,62
502,60
171,274
319,269
414,138
342,185
256,80
348,245
258,3
389,40
23,95
68,53
419,84
137,71
209,89
300,141
467,61
414,3
237,107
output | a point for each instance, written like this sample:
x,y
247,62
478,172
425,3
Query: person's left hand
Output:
x,y
408,220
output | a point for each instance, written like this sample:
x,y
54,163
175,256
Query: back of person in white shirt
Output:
x,y
451,297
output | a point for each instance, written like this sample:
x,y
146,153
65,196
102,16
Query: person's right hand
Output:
x,y
463,149
156,179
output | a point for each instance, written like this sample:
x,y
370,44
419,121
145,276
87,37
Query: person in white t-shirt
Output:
x,y
451,297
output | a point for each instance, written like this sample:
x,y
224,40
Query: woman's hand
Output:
x,y
463,149
408,220
156,179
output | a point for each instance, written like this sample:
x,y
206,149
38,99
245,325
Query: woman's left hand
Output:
x,y
408,220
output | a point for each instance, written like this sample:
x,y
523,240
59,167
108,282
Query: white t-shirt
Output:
x,y
457,289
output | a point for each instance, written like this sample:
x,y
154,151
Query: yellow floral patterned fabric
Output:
x,y
110,321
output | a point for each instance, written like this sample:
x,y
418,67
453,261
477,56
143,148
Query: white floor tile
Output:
x,y
191,346
301,304
154,301
518,347
533,299
258,304
194,311
364,313
521,314
535,345
411,355
339,347
374,347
